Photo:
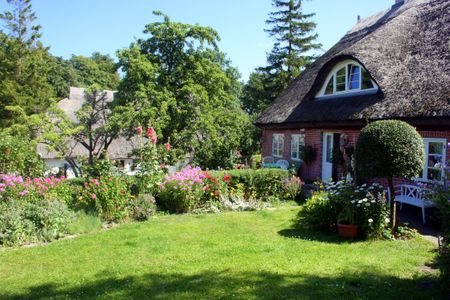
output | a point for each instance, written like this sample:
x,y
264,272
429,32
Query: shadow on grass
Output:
x,y
230,285
313,235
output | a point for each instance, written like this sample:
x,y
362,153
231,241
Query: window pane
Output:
x,y
435,148
281,145
329,148
329,88
366,81
340,80
434,174
354,77
435,161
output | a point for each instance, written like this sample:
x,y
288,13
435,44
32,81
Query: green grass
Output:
x,y
244,255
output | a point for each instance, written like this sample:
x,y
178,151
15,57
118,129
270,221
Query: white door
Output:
x,y
327,156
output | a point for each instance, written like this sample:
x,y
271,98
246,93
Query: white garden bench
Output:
x,y
414,195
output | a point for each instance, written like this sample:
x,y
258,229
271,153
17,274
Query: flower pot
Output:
x,y
348,231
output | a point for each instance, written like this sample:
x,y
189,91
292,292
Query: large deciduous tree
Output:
x,y
179,82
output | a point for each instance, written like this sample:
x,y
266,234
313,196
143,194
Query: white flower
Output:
x,y
364,200
370,220
386,220
54,170
359,201
367,204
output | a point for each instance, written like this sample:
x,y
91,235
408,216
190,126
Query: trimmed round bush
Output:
x,y
389,148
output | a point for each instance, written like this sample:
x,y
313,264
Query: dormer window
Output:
x,y
345,78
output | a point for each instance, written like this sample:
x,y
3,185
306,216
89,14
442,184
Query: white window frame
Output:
x,y
426,142
276,138
297,140
338,67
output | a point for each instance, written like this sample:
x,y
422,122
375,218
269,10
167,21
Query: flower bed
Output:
x,y
344,203
32,209
193,189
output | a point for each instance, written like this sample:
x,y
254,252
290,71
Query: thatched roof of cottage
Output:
x,y
406,51
119,148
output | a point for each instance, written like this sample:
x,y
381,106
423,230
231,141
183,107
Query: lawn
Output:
x,y
242,255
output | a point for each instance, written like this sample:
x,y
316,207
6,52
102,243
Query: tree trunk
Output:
x,y
393,206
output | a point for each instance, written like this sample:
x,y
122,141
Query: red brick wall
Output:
x,y
313,137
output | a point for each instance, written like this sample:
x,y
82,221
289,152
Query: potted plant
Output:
x,y
346,222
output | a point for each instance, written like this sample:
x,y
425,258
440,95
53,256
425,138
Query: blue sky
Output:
x,y
84,26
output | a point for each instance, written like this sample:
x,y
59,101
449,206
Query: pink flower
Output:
x,y
94,196
23,193
150,132
154,139
139,130
168,146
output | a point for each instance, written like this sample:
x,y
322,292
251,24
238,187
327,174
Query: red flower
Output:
x,y
154,139
226,178
216,192
168,146
150,132
215,179
139,130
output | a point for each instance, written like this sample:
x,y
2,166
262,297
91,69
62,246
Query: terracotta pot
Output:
x,y
348,231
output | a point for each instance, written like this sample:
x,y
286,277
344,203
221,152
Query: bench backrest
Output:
x,y
412,191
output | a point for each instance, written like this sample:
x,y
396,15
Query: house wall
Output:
x,y
313,137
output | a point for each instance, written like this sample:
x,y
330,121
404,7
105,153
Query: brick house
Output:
x,y
393,65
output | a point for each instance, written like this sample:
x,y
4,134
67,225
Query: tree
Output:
x,y
23,64
291,54
99,69
294,39
95,131
179,82
389,149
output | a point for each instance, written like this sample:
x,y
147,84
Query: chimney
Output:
x,y
358,19
398,3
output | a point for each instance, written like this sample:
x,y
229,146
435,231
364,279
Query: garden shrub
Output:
x,y
22,222
30,209
51,218
142,207
15,229
319,212
262,184
442,199
19,156
362,205
292,187
183,191
107,196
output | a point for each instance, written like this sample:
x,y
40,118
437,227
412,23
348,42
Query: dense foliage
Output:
x,y
388,149
344,203
19,156
265,184
179,82
192,189
109,197
32,210
442,199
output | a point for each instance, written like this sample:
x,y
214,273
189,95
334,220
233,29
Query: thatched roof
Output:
x,y
119,148
406,51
